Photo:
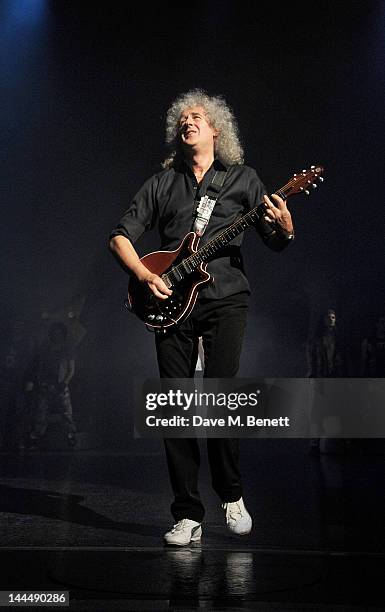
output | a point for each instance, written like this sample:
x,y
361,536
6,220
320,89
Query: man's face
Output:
x,y
195,130
330,319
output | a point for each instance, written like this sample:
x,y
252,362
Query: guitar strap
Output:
x,y
206,204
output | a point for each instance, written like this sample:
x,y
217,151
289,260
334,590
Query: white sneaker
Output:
x,y
237,518
184,532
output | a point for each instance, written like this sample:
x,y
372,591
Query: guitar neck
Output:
x,y
221,240
298,183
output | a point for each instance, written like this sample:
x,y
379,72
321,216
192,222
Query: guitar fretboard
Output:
x,y
190,263
298,183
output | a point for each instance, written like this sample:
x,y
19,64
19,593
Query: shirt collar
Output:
x,y
217,165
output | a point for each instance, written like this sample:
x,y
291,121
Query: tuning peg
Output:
x,y
314,186
321,179
312,167
307,192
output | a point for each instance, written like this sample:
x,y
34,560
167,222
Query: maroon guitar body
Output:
x,y
184,270
160,314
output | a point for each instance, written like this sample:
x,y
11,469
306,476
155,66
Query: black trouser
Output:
x,y
221,324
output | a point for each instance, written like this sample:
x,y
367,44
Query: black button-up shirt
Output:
x,y
169,199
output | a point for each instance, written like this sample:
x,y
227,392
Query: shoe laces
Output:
x,y
179,526
234,510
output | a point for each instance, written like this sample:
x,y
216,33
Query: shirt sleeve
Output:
x,y
275,240
142,213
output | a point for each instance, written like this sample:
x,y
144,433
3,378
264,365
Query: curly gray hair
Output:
x,y
228,148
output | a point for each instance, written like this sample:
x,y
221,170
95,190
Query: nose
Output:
x,y
186,123
189,120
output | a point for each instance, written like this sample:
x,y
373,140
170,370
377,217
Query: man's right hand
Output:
x,y
156,285
124,251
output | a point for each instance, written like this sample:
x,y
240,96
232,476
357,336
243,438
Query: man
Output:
x,y
373,352
53,370
203,136
326,359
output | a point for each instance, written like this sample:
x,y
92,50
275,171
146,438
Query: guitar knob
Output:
x,y
159,318
151,317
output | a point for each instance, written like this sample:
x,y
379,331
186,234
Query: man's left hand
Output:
x,y
277,212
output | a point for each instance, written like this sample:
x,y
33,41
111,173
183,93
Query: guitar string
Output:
x,y
197,257
215,242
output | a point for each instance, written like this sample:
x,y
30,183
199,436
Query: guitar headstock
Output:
x,y
302,182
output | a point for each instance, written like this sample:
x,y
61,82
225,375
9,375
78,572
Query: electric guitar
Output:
x,y
184,270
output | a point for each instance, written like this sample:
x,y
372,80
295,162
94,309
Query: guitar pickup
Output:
x,y
174,272
186,267
166,281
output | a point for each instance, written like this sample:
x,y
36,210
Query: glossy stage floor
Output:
x,y
91,522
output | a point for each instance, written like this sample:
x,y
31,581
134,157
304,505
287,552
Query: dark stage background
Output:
x,y
85,90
